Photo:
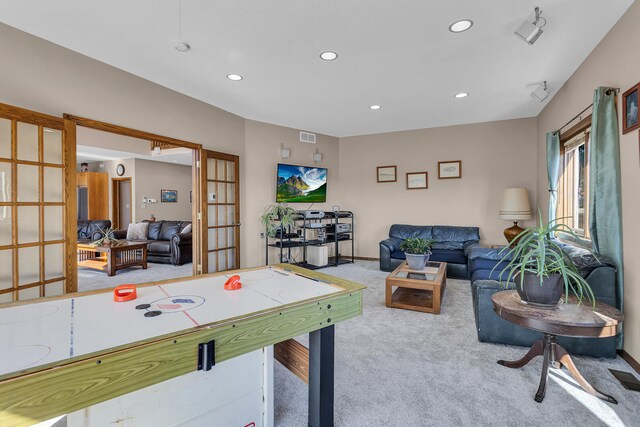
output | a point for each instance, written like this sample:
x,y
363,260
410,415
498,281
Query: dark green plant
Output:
x,y
417,246
276,216
107,238
535,252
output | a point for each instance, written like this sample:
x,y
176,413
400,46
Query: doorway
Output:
x,y
121,202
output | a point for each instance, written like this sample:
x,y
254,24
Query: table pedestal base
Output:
x,y
554,356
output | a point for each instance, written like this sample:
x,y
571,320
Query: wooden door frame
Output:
x,y
72,122
115,200
205,154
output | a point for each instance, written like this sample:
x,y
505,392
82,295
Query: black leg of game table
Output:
x,y
321,377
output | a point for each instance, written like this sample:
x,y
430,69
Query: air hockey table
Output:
x,y
181,353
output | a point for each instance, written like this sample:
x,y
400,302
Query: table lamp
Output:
x,y
515,207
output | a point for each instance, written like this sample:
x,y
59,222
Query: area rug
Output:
x,y
90,280
404,368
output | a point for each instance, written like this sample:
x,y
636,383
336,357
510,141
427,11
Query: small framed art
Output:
x,y
630,109
450,169
387,174
417,180
169,196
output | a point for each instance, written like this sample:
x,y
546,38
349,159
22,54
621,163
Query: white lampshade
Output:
x,y
515,204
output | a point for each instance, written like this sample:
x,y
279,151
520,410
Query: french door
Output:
x,y
221,211
33,208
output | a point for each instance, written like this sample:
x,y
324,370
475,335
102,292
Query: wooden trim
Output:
x,y
426,180
133,133
31,117
71,206
574,130
200,187
459,162
364,258
626,129
395,173
293,356
630,360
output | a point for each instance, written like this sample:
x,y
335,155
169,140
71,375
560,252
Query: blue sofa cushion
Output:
x,y
403,231
449,256
448,245
445,233
488,275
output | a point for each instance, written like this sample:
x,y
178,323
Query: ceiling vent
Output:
x,y
307,137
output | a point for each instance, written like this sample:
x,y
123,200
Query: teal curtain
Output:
x,y
605,199
553,171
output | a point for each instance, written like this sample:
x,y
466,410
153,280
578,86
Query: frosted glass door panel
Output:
x,y
211,242
28,265
29,293
231,233
220,172
52,146
211,169
231,193
222,197
53,184
28,183
53,223
5,227
231,171
28,224
5,138
53,261
211,260
53,289
27,142
211,192
5,182
222,215
6,274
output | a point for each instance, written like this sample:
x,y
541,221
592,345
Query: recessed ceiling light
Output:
x,y
329,55
460,26
461,95
375,107
234,77
181,46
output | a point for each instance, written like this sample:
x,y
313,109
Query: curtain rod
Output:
x,y
608,92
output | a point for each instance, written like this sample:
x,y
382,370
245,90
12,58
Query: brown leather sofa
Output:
x,y
167,245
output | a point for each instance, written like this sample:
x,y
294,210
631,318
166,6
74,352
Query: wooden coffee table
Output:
x,y
113,258
571,320
417,290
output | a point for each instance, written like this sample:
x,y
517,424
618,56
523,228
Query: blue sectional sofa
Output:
x,y
486,281
452,245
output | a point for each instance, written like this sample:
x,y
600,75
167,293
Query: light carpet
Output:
x,y
90,280
404,368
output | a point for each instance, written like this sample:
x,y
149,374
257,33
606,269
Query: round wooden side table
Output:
x,y
572,320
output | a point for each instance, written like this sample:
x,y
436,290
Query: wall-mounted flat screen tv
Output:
x,y
301,184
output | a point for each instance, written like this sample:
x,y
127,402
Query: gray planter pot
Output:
x,y
546,295
417,261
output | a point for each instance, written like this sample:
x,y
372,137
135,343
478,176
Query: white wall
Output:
x,y
150,178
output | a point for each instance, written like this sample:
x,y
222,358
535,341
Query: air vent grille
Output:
x,y
308,137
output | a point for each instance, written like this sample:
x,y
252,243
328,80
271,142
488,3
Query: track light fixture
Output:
x,y
530,31
541,92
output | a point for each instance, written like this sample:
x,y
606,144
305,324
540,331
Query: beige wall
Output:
x,y
494,156
151,177
612,63
258,170
109,167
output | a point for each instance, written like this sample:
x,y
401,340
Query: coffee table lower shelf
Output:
x,y
415,290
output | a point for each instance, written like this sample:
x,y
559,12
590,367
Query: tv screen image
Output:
x,y
301,184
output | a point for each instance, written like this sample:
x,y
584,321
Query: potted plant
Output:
x,y
107,238
279,212
541,270
417,251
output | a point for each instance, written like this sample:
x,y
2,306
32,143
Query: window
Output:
x,y
573,200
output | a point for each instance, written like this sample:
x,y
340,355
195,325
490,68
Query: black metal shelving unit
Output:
x,y
287,240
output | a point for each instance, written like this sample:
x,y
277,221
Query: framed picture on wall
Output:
x,y
630,109
169,196
450,169
417,180
387,174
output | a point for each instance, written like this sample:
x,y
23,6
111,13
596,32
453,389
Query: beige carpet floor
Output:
x,y
404,368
